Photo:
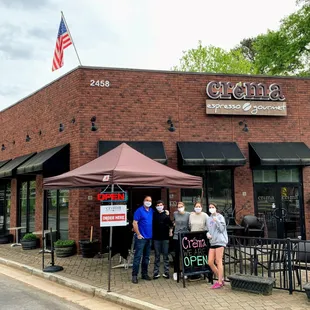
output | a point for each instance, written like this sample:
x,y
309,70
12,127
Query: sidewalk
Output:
x,y
165,294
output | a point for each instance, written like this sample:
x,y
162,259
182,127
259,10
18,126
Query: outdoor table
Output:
x,y
39,232
16,235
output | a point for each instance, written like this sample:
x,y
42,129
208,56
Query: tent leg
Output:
x,y
110,249
110,259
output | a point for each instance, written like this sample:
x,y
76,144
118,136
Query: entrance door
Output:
x,y
279,206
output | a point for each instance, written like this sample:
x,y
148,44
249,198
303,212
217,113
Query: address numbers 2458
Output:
x,y
99,83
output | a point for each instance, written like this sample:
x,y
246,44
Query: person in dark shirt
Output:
x,y
162,230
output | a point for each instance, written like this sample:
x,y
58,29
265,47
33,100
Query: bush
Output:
x,y
29,237
64,243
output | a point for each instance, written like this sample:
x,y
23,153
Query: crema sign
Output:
x,y
226,98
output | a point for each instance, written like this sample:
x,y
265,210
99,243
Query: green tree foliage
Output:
x,y
286,51
278,52
214,59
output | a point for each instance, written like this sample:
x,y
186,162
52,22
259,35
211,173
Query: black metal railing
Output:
x,y
286,260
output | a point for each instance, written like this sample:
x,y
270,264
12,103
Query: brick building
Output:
x,y
247,138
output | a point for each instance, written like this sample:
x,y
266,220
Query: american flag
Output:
x,y
63,41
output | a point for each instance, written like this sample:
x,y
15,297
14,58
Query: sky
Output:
x,y
144,34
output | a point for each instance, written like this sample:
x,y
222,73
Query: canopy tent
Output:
x,y
123,166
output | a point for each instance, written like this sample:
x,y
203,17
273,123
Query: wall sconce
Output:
x,y
171,127
245,126
28,138
61,127
73,120
93,125
3,147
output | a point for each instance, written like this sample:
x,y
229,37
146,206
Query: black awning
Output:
x,y
279,153
9,169
152,149
3,162
48,162
210,154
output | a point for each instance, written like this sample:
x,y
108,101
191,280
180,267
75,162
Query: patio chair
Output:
x,y
252,226
302,260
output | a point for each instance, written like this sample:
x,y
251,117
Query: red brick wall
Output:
x,y
136,106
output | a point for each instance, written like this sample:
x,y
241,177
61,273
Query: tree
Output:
x,y
246,47
214,59
286,51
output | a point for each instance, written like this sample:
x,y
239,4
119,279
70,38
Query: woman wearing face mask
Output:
x,y
181,218
197,222
217,234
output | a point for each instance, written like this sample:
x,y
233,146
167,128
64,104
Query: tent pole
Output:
x,y
110,249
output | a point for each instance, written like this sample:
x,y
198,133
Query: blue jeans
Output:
x,y
161,247
142,249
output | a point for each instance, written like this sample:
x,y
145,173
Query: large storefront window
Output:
x,y
218,188
278,201
27,205
5,206
57,202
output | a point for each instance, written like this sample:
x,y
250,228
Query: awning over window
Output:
x,y
152,149
48,162
3,162
210,154
9,169
279,153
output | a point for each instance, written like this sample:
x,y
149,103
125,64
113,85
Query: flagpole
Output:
x,y
62,14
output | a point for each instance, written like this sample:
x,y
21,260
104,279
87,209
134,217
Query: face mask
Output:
x,y
181,209
147,204
212,210
198,210
159,208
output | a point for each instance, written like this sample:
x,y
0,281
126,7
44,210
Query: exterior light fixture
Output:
x,y
28,138
3,147
73,120
171,127
93,125
245,126
61,127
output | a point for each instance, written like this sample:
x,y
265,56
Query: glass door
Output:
x,y
265,198
279,207
291,214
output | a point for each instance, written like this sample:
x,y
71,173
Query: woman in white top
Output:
x,y
197,222
198,219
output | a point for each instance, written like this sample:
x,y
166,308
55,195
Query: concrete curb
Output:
x,y
85,288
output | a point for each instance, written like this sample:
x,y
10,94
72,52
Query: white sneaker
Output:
x,y
175,276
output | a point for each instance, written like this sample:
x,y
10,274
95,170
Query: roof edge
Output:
x,y
155,71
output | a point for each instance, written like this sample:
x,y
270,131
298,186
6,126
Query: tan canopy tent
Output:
x,y
123,166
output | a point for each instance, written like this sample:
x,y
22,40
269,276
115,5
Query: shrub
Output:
x,y
29,237
64,243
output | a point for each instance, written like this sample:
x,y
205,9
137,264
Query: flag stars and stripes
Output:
x,y
62,42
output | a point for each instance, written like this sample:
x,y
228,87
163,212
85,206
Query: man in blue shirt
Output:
x,y
143,227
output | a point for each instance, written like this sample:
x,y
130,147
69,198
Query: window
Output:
x,y
218,188
219,191
278,175
57,202
5,206
265,176
27,205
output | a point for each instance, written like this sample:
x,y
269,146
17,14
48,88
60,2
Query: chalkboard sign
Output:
x,y
194,250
